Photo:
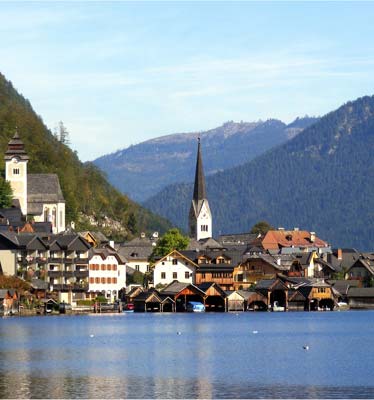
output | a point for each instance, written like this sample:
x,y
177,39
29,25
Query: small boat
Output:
x,y
128,308
195,306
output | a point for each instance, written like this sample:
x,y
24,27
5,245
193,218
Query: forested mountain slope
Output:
x,y
321,180
86,190
144,169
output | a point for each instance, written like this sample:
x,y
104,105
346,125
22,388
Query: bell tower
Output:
x,y
16,160
200,217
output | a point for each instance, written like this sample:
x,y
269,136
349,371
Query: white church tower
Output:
x,y
200,217
16,160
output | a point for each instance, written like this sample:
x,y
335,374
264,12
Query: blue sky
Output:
x,y
118,73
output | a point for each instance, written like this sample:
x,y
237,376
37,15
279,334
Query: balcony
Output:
x,y
69,260
54,274
55,260
81,273
80,287
83,261
41,260
68,274
61,287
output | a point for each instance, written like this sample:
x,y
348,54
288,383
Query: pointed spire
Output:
x,y
199,192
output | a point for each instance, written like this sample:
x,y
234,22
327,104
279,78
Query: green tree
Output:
x,y
6,193
172,240
261,227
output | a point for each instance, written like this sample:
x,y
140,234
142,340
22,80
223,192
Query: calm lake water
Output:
x,y
214,356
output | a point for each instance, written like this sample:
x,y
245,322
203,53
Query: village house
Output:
x,y
107,273
362,270
293,241
173,267
137,252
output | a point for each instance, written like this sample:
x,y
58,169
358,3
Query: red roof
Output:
x,y
283,238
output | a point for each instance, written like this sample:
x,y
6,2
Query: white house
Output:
x,y
174,267
107,273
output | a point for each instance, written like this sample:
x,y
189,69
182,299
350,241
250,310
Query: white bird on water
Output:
x,y
179,333
254,332
92,335
306,347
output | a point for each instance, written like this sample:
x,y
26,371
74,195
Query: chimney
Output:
x,y
111,243
312,237
280,229
296,229
340,254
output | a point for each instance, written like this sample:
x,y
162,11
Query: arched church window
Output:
x,y
46,214
54,216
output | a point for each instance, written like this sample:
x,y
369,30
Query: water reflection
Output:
x,y
216,356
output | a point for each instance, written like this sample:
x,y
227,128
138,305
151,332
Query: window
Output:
x,y
102,280
163,275
148,268
92,280
204,228
97,280
114,267
15,171
109,267
103,267
109,280
114,280
175,261
136,267
187,275
175,275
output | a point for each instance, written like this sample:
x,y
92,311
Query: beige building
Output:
x,y
38,195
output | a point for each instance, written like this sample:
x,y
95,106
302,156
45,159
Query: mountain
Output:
x,y
90,199
144,169
321,180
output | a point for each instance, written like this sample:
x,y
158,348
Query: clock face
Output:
x,y
15,160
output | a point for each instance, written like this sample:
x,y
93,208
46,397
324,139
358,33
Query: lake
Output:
x,y
222,355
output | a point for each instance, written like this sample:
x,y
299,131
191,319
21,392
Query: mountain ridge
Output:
x,y
143,169
318,181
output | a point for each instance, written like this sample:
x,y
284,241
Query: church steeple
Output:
x,y
199,191
16,160
200,217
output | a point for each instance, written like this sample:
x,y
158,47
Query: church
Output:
x,y
200,217
39,196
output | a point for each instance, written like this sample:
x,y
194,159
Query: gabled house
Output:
x,y
175,266
107,273
137,253
362,270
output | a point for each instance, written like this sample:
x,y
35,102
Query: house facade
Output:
x,y
107,273
173,267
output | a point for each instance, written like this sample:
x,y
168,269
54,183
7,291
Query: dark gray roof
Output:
x,y
361,292
16,148
107,251
237,238
342,286
202,244
41,189
13,215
